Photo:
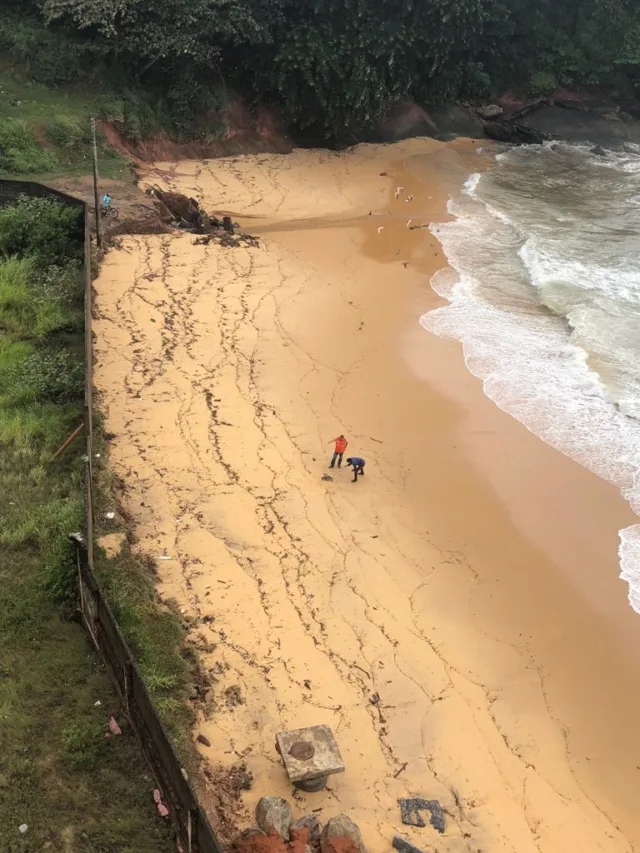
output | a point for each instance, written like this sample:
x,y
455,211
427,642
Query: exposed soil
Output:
x,y
221,797
571,116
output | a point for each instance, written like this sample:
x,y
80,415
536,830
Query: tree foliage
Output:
x,y
334,64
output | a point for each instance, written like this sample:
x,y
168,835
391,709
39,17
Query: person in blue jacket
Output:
x,y
358,466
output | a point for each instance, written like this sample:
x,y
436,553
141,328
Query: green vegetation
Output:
x,y
59,774
155,634
46,131
326,65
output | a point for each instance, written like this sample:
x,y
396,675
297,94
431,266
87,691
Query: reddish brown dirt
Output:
x,y
138,213
262,844
402,118
244,133
300,843
340,845
221,797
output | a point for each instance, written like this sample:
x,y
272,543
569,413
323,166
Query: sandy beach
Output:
x,y
456,615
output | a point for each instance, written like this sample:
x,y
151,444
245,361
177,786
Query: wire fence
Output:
x,y
196,833
193,827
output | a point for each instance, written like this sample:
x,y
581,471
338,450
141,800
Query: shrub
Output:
x,y
133,116
61,281
542,83
24,311
67,133
41,227
20,153
44,375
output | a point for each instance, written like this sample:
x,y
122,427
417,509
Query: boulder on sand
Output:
x,y
250,831
341,835
273,816
300,842
490,111
310,822
499,131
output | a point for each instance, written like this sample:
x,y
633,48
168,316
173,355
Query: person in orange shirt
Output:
x,y
340,447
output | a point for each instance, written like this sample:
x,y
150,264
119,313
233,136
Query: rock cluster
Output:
x,y
276,833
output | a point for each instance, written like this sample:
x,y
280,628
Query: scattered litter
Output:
x,y
165,557
403,846
410,812
114,728
328,478
23,828
203,740
110,515
85,458
380,229
163,811
97,704
409,198
307,684
409,221
97,456
400,770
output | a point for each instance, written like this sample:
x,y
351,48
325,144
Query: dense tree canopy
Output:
x,y
329,63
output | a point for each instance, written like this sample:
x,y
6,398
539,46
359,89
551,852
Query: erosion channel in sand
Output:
x,y
456,616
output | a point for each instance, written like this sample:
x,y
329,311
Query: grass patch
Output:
x,y
155,632
58,772
20,152
23,309
46,132
75,788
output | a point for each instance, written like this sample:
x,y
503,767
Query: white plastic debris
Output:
x,y
23,828
97,456
110,515
97,704
165,557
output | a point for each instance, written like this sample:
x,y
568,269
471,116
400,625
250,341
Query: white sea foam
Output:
x,y
570,376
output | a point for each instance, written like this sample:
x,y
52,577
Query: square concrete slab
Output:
x,y
309,753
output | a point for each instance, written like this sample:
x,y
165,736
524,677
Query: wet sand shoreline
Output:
x,y
470,580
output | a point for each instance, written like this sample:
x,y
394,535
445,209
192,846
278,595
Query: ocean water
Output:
x,y
544,293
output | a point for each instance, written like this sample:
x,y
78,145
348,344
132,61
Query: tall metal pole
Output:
x,y
96,193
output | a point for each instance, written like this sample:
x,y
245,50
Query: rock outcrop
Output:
x,y
490,112
341,835
273,816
